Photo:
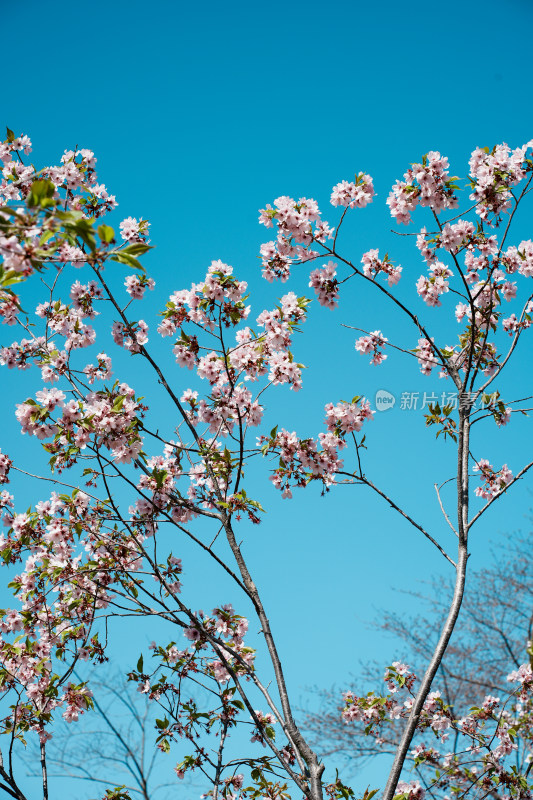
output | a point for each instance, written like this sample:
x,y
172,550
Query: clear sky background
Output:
x,y
200,115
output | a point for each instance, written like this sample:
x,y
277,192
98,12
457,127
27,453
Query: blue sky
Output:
x,y
200,115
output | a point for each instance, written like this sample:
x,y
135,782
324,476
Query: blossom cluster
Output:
x,y
485,737
44,541
133,230
76,175
428,184
452,238
136,285
5,466
426,356
373,265
430,288
253,355
215,649
107,418
299,225
101,371
373,343
353,194
50,220
494,481
219,298
485,284
131,336
325,284
305,460
492,175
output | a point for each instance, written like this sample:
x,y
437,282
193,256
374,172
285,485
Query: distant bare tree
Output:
x,y
493,637
115,744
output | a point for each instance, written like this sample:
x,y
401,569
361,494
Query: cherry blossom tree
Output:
x,y
89,552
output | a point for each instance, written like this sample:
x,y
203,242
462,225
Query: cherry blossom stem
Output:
x,y
428,678
513,212
406,516
169,519
314,766
389,344
219,766
453,613
44,770
446,517
300,782
412,317
9,787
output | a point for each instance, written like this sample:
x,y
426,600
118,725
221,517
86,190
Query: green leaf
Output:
x,y
106,233
84,229
136,249
126,258
41,194
10,277
10,135
13,211
69,216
